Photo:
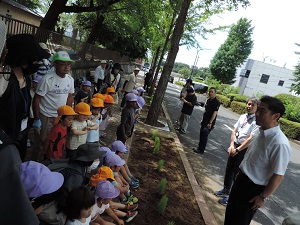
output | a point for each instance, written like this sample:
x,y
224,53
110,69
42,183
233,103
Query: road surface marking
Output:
x,y
228,127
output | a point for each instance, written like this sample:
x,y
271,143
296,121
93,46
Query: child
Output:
x,y
106,114
120,149
56,140
79,129
141,91
111,91
80,203
104,193
96,108
83,95
140,103
125,129
188,105
98,95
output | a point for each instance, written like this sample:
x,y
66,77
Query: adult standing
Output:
x,y
115,79
263,167
209,119
129,84
54,90
148,78
99,75
239,141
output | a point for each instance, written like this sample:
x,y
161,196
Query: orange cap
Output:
x,y
109,99
98,95
64,110
103,173
110,90
83,109
97,102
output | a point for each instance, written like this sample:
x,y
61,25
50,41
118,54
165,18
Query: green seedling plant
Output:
x,y
162,186
171,223
156,145
151,99
162,205
154,134
160,165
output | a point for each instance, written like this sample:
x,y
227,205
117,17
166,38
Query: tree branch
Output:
x,y
91,8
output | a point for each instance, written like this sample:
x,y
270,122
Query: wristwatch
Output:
x,y
236,149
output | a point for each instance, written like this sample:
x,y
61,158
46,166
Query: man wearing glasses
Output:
x,y
54,90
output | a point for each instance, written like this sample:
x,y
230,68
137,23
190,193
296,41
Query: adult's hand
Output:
x,y
37,125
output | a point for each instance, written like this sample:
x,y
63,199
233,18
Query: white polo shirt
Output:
x,y
268,153
131,83
245,126
55,91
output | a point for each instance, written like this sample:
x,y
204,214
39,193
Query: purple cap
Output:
x,y
140,101
140,89
135,92
38,180
106,150
87,83
131,97
113,160
105,189
118,146
37,78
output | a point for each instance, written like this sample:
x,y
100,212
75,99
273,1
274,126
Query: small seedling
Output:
x,y
171,223
151,99
162,205
162,186
160,165
156,145
154,134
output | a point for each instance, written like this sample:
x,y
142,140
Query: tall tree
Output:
x,y
296,87
233,52
32,4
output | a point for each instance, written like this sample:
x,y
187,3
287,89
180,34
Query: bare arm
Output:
x,y
79,132
36,106
112,214
94,127
70,100
212,119
271,187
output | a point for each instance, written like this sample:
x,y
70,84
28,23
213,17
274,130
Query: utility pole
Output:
x,y
197,58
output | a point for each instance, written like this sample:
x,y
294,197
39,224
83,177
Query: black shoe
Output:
x,y
196,150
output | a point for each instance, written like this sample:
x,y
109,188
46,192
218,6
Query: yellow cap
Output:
x,y
97,102
83,109
98,95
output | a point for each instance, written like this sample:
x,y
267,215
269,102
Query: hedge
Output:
x,y
224,100
290,129
180,83
238,107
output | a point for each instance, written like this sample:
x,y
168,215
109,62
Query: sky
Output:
x,y
276,29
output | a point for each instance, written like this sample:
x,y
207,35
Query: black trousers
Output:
x,y
204,132
124,99
232,168
238,210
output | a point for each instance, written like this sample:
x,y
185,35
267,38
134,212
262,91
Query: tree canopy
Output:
x,y
233,52
296,87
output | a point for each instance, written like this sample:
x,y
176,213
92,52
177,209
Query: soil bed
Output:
x,y
182,207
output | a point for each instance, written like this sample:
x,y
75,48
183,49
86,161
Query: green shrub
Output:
x,y
162,186
290,129
180,83
240,98
230,89
292,106
288,99
238,107
162,205
156,145
224,100
160,165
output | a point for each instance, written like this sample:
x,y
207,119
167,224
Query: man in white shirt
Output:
x,y
263,167
54,90
99,75
129,84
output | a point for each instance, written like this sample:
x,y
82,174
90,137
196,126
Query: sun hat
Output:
x,y
98,95
140,89
23,49
130,97
86,83
83,109
106,150
134,91
117,66
97,102
136,68
109,99
113,160
38,180
103,61
103,173
104,189
118,146
61,56
140,101
64,110
37,78
88,152
110,90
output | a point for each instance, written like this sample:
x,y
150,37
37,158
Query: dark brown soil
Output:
x,y
182,207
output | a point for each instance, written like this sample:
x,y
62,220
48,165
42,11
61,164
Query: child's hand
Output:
x,y
120,222
85,129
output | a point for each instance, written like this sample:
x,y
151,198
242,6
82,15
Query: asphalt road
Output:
x,y
209,168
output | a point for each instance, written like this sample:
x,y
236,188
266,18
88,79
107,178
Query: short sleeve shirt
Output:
x,y
55,91
188,109
57,141
210,107
77,222
93,135
98,210
131,83
81,96
245,126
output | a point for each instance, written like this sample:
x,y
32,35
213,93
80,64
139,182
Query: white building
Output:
x,y
261,78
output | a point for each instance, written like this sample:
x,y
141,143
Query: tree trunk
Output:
x,y
153,113
153,65
151,90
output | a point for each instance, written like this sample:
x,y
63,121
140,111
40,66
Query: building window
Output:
x,y
280,83
245,73
264,78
